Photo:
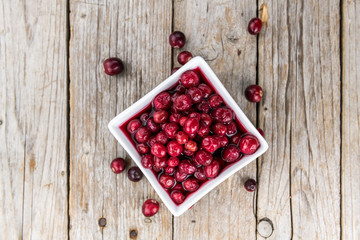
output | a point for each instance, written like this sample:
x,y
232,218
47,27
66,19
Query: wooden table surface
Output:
x,y
56,102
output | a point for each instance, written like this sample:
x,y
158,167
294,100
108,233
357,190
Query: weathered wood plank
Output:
x,y
136,32
350,120
301,116
217,31
33,129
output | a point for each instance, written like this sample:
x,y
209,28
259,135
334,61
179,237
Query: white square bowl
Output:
x,y
137,107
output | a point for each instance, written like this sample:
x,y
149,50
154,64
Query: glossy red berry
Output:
x,y
189,79
158,150
147,161
150,207
182,102
135,174
162,101
177,196
133,125
182,137
203,157
167,181
219,129
187,167
173,161
177,39
200,174
171,129
153,126
210,144
248,144
213,169
142,135
161,116
191,126
195,94
180,176
191,184
222,115
206,90
253,93
143,148
184,57
250,185
255,26
113,66
117,165
215,101
160,162
231,153
174,149
191,146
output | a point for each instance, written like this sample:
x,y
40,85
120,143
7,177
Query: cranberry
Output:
x,y
195,94
142,135
117,165
195,115
182,102
195,162
150,207
177,39
182,121
142,148
184,57
133,125
177,196
223,141
153,126
219,129
191,146
188,153
182,137
162,138
200,174
203,130
174,70
204,106
222,114
206,119
166,181
144,117
163,126
113,66
147,161
171,130
177,186
248,144
255,25
158,150
162,101
156,169
187,167
151,141
231,153
180,89
260,131
191,184
180,176
175,117
206,90
215,101
173,162
210,144
190,79
253,93
174,148
161,116
231,129
169,170
203,157
191,126
135,174
250,185
160,162
213,169
236,138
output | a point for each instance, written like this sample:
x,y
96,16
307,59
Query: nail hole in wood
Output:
x,y
193,221
265,227
147,220
238,52
102,222
133,233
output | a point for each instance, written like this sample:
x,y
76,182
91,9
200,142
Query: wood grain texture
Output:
x,y
136,32
299,52
217,31
33,129
350,175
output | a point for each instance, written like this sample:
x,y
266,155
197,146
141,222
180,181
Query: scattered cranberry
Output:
x,y
219,129
133,125
180,176
162,101
250,185
177,39
147,161
191,184
158,150
182,102
117,165
167,181
181,137
135,174
260,131
231,153
142,135
206,90
150,207
113,66
187,167
184,57
174,70
162,138
177,196
203,157
160,162
248,144
174,148
153,126
191,146
144,117
189,79
255,25
191,126
213,169
222,114
200,174
253,93
210,144
215,101
143,148
161,116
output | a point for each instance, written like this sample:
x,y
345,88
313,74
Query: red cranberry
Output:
x,y
171,130
219,129
117,165
231,128
142,148
260,131
203,157
189,111
162,138
180,89
177,196
174,148
210,144
169,170
206,119
184,57
175,117
195,162
151,141
187,167
200,174
204,106
177,186
189,79
113,66
215,101
195,115
255,26
156,169
222,114
150,207
162,101
182,102
248,144
166,181
133,125
206,90
161,116
163,126
203,130
160,162
223,141
253,93
142,135
231,153
182,121
173,162
147,161
235,139
158,150
188,153
250,185
191,146
182,137
195,94
177,39
191,184
153,126
144,117
213,169
191,126
135,174
174,70
180,176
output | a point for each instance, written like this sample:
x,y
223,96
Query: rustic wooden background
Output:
x,y
55,103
